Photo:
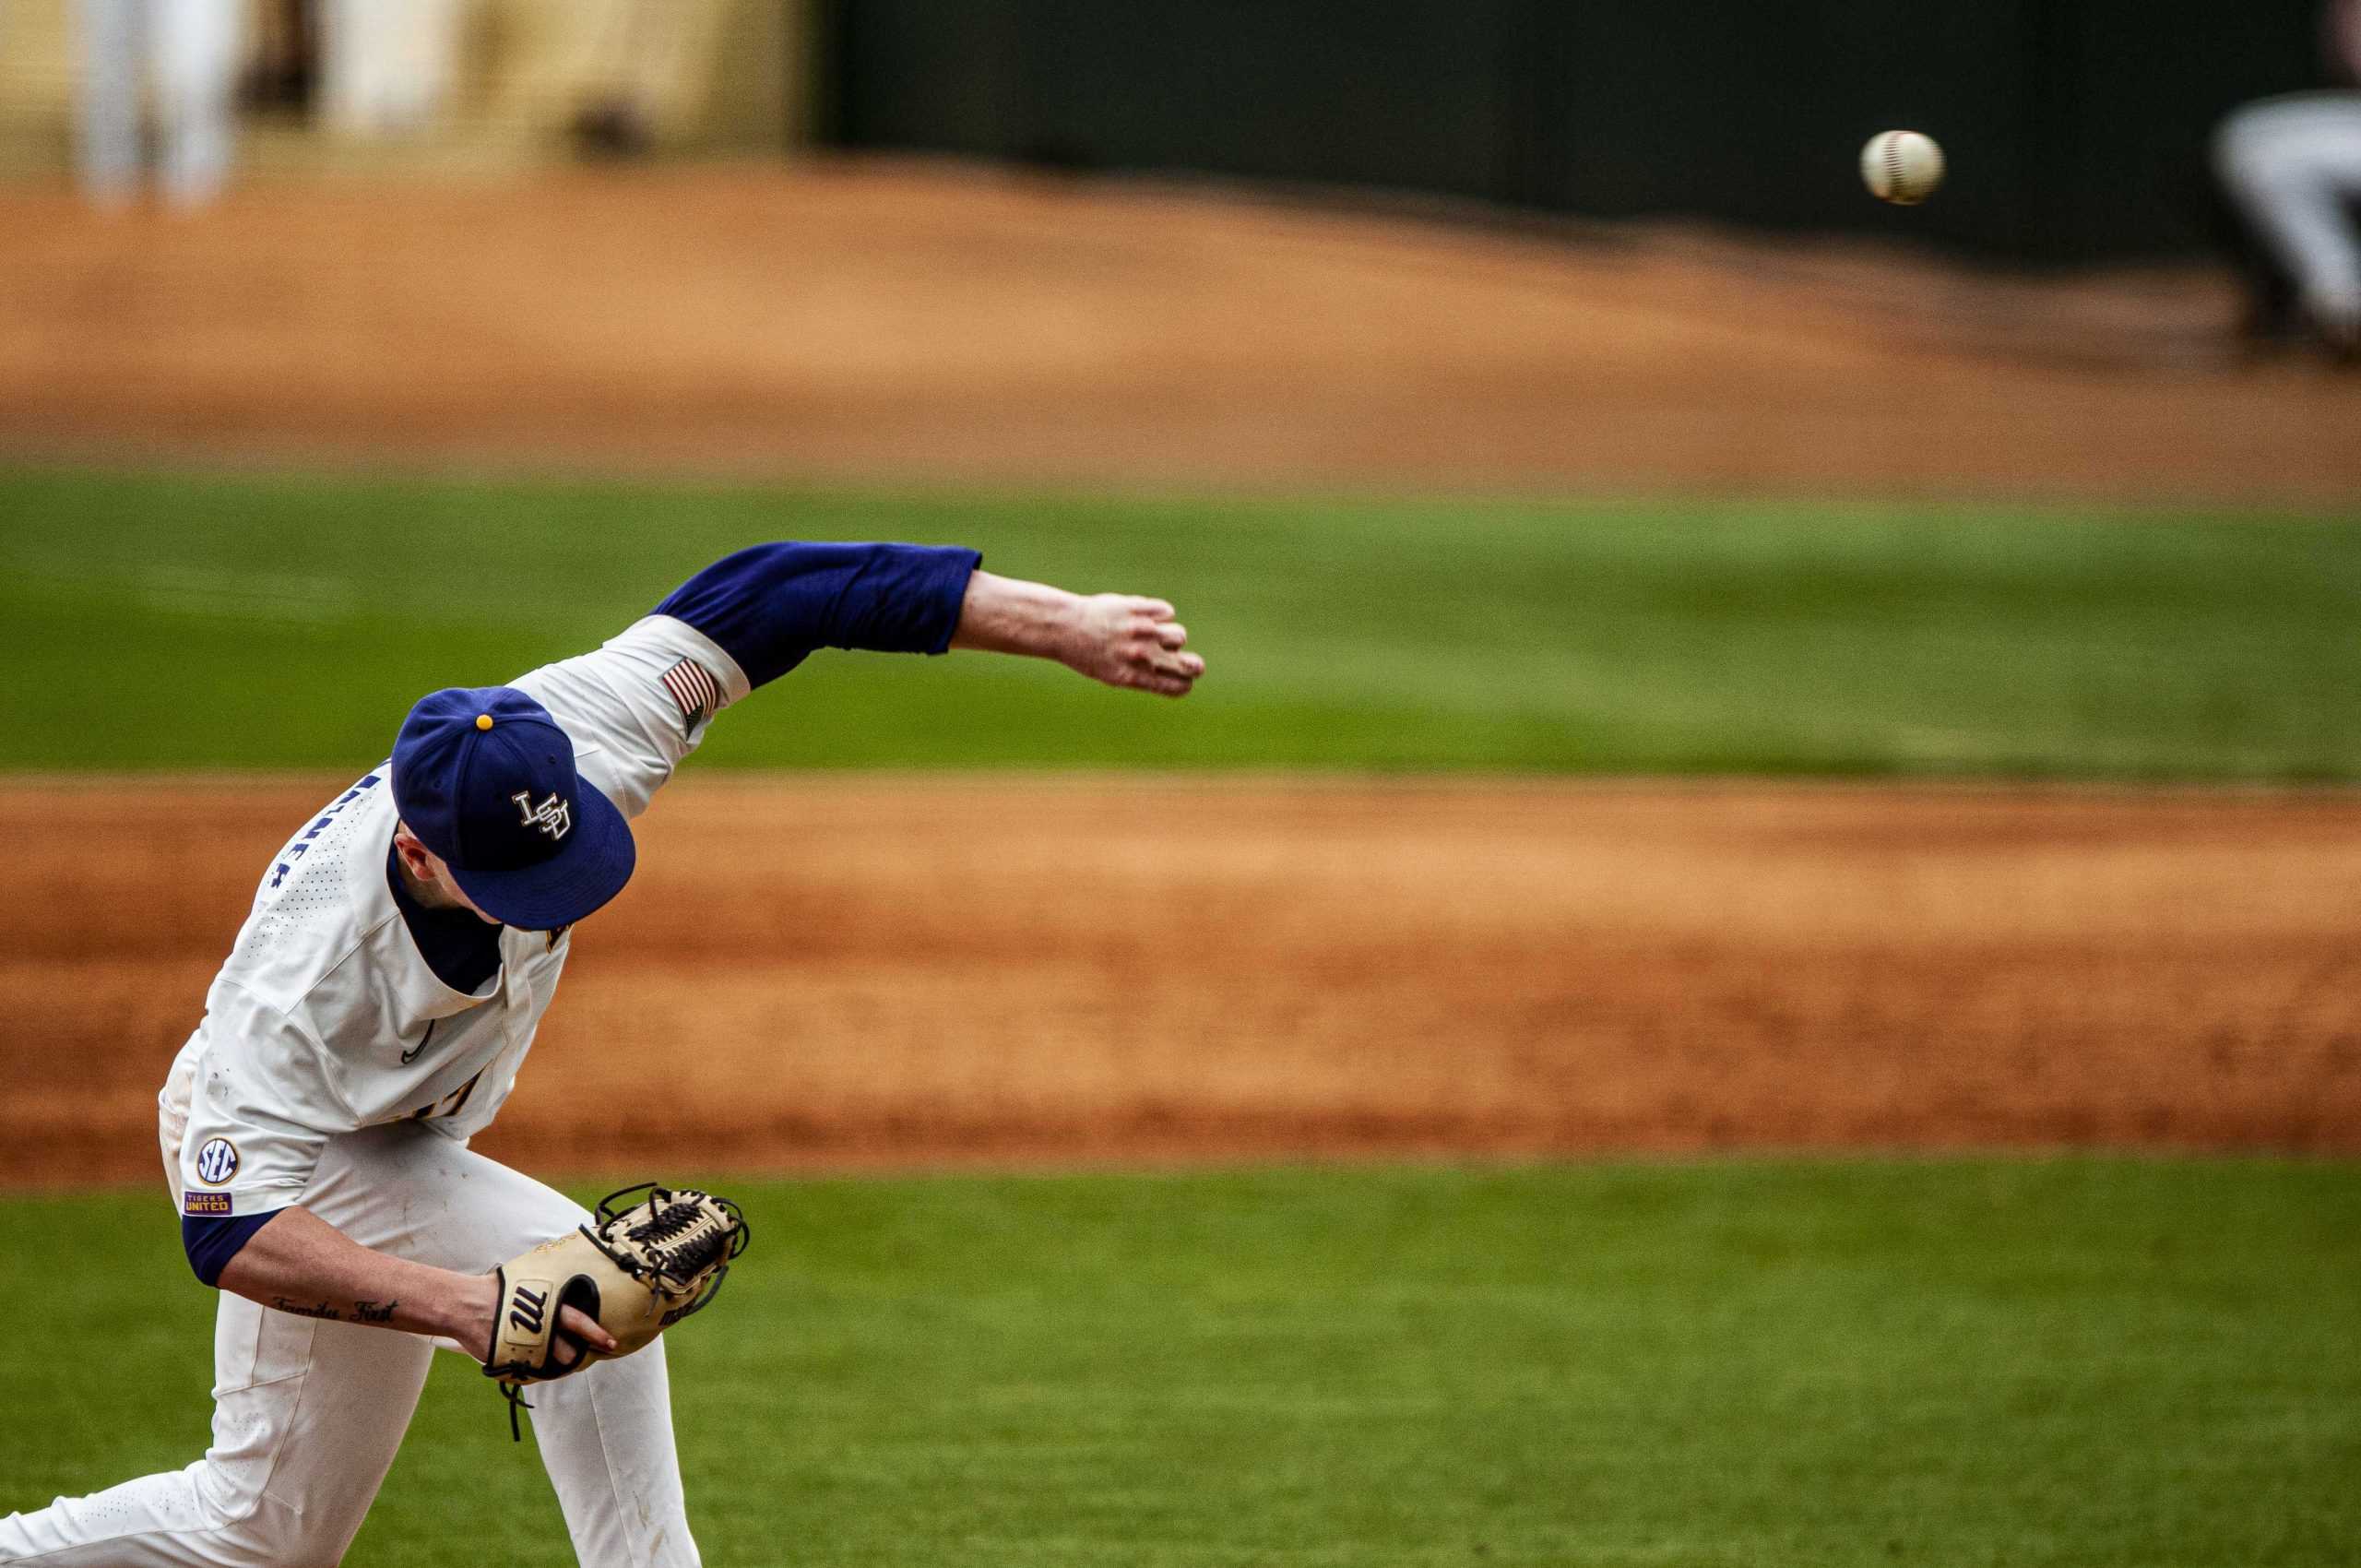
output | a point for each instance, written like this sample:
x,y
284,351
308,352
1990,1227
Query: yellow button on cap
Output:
x,y
483,721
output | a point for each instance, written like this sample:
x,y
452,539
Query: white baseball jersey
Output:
x,y
327,1018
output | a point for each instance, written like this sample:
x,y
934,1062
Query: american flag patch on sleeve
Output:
x,y
697,692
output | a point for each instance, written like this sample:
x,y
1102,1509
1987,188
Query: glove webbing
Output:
x,y
671,1266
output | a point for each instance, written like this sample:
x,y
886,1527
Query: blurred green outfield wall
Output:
x,y
2076,127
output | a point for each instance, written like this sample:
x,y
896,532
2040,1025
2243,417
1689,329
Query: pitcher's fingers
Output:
x,y
583,1324
1186,666
1171,634
1154,608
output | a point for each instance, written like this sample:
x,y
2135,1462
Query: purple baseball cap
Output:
x,y
486,779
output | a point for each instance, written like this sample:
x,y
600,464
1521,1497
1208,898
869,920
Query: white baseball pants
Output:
x,y
2294,167
192,48
307,1415
387,68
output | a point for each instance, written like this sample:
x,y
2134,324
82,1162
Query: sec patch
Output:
x,y
216,1162
205,1202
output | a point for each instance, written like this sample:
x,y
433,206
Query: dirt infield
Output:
x,y
858,971
934,325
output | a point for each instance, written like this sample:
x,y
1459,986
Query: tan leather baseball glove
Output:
x,y
637,1270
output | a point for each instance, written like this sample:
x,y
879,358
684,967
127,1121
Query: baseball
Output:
x,y
1902,167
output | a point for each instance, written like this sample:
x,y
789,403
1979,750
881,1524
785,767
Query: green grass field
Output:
x,y
163,622
1738,1364
1955,1363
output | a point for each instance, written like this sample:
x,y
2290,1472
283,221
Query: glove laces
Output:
x,y
684,1233
672,1220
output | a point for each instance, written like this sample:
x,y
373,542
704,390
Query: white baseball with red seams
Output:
x,y
1902,167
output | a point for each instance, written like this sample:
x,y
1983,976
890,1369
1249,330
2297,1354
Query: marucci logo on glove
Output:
x,y
637,1270
525,1310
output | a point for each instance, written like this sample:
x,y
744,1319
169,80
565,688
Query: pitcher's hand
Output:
x,y
1127,641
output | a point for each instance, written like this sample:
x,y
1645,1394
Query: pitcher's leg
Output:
x,y
306,1418
606,1439
308,1413
605,1435
153,1521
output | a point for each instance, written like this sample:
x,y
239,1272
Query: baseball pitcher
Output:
x,y
373,1014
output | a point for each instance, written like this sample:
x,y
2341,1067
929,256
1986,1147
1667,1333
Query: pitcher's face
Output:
x,y
430,874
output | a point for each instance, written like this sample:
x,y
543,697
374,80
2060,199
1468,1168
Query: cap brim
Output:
x,y
590,868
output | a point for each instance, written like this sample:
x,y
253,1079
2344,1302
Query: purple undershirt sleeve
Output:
x,y
212,1242
770,605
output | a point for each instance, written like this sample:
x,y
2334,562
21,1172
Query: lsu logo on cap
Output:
x,y
216,1162
205,1202
552,816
